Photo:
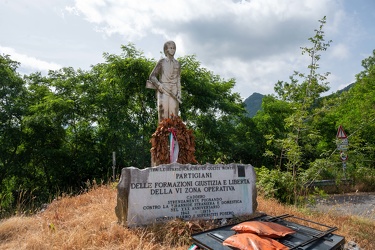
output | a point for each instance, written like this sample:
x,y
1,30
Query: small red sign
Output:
x,y
341,133
343,156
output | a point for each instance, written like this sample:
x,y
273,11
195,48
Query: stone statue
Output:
x,y
165,78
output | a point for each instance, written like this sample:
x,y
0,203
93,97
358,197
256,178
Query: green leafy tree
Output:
x,y
211,109
44,137
124,109
270,121
301,93
247,143
12,109
356,113
80,146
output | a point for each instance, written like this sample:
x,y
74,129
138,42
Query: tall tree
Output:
x,y
270,121
44,136
301,137
12,109
125,109
210,108
356,113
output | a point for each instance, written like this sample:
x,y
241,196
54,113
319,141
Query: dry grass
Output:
x,y
88,221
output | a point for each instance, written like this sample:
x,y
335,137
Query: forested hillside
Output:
x,y
253,103
59,130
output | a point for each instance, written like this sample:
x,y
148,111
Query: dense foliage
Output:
x,y
59,130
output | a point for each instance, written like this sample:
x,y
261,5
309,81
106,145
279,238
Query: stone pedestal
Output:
x,y
165,192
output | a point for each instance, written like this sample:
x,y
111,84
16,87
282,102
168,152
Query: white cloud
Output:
x,y
259,75
339,51
28,61
135,19
257,42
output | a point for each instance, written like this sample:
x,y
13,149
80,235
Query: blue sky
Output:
x,y
257,42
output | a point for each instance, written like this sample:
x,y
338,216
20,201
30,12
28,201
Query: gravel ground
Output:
x,y
360,204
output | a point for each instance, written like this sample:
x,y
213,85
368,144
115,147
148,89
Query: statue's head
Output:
x,y
168,43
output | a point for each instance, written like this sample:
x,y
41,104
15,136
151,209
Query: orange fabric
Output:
x,y
249,241
269,229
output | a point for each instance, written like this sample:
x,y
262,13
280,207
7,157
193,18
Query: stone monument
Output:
x,y
172,187
185,191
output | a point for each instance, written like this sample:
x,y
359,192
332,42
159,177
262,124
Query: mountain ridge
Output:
x,y
254,102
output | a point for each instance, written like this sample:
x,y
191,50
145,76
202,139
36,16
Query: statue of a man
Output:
x,y
166,79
